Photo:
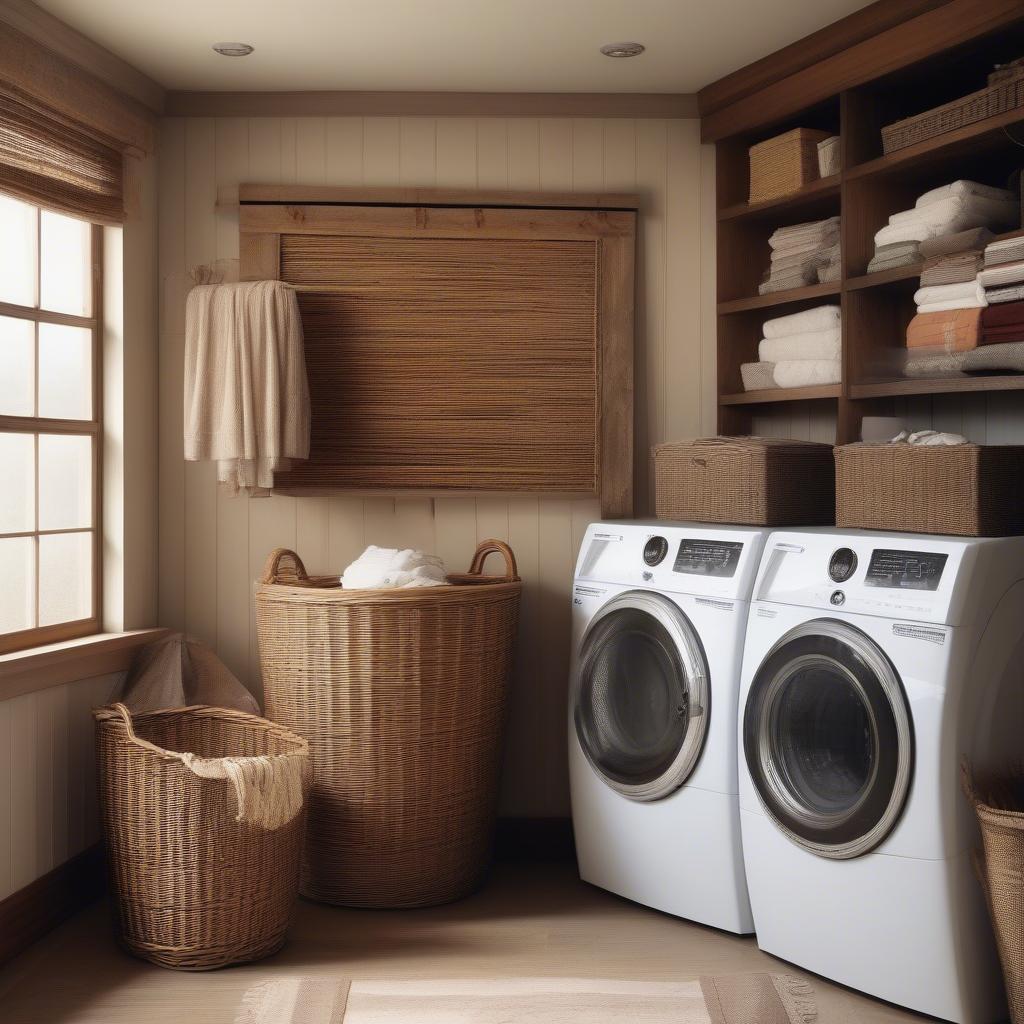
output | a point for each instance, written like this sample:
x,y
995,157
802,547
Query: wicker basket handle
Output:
x,y
277,569
488,547
125,715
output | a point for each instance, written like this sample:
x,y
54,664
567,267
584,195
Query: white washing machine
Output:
x,y
659,611
873,663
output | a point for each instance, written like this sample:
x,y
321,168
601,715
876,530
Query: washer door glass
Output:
x,y
827,739
641,695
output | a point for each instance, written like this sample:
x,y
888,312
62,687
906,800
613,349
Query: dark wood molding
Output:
x,y
953,24
430,104
827,42
28,914
534,840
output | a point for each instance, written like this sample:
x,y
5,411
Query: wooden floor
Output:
x,y
529,920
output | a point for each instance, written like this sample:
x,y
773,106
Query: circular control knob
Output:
x,y
842,565
655,550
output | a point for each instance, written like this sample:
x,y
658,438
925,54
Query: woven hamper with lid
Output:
x,y
204,869
966,490
401,694
754,481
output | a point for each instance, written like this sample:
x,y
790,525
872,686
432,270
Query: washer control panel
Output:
x,y
655,550
842,565
905,570
708,557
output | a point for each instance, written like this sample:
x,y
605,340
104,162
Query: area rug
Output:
x,y
714,999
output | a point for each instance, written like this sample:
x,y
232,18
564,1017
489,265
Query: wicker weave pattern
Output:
x,y
759,481
964,490
193,889
401,694
784,164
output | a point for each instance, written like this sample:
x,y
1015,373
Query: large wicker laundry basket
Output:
x,y
201,875
401,694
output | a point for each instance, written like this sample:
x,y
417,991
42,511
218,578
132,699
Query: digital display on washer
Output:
x,y
905,570
708,557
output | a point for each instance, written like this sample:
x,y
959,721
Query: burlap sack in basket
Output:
x,y
999,805
203,819
401,694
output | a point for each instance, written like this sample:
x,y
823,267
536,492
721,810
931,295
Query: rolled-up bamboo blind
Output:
x,y
449,362
50,160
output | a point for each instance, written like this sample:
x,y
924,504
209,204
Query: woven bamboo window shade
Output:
x,y
51,161
455,347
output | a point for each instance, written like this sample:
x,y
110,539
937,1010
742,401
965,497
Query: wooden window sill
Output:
x,y
39,668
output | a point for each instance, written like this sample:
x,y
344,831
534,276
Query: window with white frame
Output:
x,y
50,426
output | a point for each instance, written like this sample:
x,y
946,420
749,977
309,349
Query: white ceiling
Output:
x,y
445,45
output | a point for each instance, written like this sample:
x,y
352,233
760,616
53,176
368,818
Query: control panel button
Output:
x,y
842,565
838,598
655,550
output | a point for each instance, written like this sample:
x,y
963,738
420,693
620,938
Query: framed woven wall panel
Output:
x,y
458,348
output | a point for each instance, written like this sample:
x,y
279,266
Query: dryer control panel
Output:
x,y
905,570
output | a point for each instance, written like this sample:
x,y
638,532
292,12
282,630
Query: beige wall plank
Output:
x,y
311,151
382,151
493,154
24,795
455,531
312,534
555,149
587,155
345,151
456,152
417,153
7,819
524,154
60,728
346,532
414,524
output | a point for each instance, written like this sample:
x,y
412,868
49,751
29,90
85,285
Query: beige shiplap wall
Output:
x,y
212,546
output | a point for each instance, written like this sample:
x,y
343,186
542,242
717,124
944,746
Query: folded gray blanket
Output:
x,y
1006,357
944,245
957,268
1008,250
899,254
1009,293
933,362
758,376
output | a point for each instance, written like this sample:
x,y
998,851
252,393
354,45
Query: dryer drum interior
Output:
x,y
641,697
828,740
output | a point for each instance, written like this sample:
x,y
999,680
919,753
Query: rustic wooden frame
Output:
x,y
268,212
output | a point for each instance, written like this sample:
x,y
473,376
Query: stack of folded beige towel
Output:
x,y
1002,271
803,254
799,350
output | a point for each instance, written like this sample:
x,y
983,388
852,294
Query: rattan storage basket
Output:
x,y
784,164
965,490
757,481
194,887
401,694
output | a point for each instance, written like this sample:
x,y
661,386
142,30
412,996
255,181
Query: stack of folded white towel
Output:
x,y
799,350
944,211
942,298
803,254
1002,276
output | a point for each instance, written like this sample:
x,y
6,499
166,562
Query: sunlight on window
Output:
x,y
17,252
65,265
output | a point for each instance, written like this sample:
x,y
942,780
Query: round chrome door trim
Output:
x,y
690,653
889,719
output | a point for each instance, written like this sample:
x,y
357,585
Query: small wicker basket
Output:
x,y
401,694
964,490
784,164
193,886
757,481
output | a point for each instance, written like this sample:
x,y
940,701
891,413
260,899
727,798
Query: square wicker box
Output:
x,y
964,490
755,481
784,164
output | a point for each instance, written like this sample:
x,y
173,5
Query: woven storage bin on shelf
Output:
x,y
966,490
759,481
401,694
784,164
999,806
193,888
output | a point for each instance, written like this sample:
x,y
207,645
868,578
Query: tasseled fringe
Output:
x,y
301,1000
797,996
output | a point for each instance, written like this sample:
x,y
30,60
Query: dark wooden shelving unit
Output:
x,y
909,76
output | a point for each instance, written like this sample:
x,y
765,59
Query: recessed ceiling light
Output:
x,y
623,49
233,49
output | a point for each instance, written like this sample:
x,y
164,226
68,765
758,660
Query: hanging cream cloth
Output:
x,y
246,392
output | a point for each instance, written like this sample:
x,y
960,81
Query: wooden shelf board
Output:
x,y
771,395
883,277
817,193
938,386
811,291
970,140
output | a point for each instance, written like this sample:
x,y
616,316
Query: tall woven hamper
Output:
x,y
401,695
204,870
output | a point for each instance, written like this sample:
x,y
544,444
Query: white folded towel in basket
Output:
x,y
385,568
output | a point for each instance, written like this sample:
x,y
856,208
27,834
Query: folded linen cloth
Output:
x,y
824,344
960,241
1004,357
931,362
798,373
1003,274
966,295
928,438
953,331
963,187
1011,293
757,376
802,234
950,305
787,281
899,254
246,393
388,568
820,318
957,268
830,272
1006,250
948,216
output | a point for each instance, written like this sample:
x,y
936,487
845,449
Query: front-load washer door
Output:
x,y
641,698
828,740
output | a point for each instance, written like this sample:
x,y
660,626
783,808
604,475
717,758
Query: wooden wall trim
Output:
x,y
954,23
62,39
430,104
56,81
28,914
840,35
